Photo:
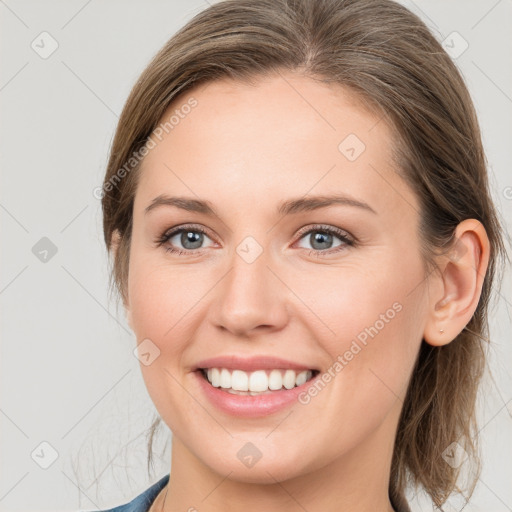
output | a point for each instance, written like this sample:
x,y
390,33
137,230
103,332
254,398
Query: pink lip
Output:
x,y
251,363
247,406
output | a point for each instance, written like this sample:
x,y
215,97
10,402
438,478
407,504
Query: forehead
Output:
x,y
282,135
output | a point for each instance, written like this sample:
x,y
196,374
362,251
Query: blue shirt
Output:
x,y
143,501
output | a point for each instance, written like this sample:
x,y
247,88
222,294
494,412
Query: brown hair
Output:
x,y
385,54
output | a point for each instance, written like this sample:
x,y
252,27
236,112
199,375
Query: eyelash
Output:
x,y
350,242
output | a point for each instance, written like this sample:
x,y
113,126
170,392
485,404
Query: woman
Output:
x,y
302,234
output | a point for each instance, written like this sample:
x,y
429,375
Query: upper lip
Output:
x,y
233,362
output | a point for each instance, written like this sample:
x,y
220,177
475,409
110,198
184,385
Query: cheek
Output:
x,y
162,297
161,305
360,301
159,308
370,323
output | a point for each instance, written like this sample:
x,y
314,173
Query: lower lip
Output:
x,y
248,406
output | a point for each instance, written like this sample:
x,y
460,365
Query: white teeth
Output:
x,y
275,380
259,381
302,377
239,381
215,377
225,378
289,379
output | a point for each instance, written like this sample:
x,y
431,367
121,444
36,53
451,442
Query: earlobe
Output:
x,y
459,286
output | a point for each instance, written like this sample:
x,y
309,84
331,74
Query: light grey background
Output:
x,y
68,374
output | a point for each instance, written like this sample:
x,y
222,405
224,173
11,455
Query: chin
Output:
x,y
263,470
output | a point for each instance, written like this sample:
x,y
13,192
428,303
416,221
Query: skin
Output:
x,y
246,148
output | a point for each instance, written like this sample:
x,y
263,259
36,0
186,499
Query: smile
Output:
x,y
257,382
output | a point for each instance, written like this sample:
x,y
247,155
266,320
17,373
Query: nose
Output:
x,y
251,298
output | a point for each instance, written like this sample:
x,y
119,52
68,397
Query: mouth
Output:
x,y
258,382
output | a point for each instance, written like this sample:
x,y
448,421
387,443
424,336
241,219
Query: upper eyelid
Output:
x,y
325,227
190,227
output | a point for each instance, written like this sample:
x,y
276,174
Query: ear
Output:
x,y
454,296
115,241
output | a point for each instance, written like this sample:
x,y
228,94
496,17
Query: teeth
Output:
x,y
289,379
275,381
215,377
259,381
225,378
239,381
301,378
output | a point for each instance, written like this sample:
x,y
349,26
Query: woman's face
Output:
x,y
280,280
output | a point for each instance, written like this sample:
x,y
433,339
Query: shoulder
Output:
x,y
143,501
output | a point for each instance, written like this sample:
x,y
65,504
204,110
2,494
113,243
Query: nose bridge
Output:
x,y
249,266
249,296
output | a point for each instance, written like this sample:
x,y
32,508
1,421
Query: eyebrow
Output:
x,y
290,207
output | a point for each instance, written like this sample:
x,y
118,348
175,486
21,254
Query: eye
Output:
x,y
321,239
190,237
